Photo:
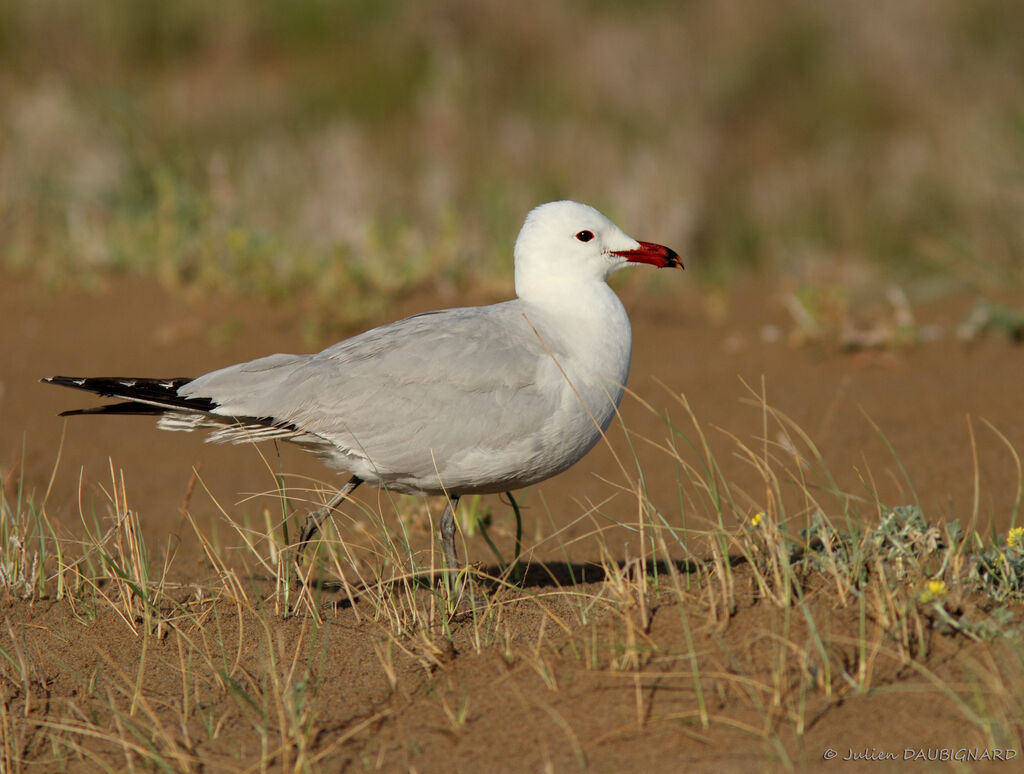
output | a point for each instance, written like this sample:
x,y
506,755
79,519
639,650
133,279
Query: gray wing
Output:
x,y
411,399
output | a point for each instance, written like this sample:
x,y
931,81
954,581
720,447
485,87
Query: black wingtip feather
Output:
x,y
141,395
128,408
152,397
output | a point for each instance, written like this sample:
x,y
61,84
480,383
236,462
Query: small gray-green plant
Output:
x,y
998,569
902,539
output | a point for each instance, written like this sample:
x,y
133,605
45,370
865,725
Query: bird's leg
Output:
x,y
516,573
313,521
448,532
450,576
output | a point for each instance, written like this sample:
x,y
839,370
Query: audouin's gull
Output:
x,y
480,399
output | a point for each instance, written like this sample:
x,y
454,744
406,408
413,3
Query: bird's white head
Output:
x,y
571,242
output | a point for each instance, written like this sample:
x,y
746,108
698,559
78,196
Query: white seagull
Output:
x,y
480,399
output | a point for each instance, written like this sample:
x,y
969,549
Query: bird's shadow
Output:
x,y
535,575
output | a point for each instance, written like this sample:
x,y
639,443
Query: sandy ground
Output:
x,y
925,398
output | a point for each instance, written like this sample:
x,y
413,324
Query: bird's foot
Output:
x,y
464,589
309,530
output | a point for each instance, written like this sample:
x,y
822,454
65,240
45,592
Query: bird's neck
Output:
x,y
570,297
588,318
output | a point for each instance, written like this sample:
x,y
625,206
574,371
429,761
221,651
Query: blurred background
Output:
x,y
355,151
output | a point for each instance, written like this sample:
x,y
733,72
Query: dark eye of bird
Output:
x,y
585,236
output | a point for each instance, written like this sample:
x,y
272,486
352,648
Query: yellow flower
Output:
x,y
1015,537
936,589
756,519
